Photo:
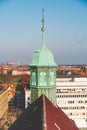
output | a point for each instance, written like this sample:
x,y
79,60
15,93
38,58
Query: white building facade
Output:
x,y
27,97
72,97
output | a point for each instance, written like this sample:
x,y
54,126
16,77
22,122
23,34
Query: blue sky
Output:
x,y
65,35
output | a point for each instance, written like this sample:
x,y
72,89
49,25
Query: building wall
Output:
x,y
27,97
72,97
3,105
15,72
3,102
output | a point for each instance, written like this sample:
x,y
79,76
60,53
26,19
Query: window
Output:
x,y
43,79
52,78
34,78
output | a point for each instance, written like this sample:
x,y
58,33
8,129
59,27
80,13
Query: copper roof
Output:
x,y
43,115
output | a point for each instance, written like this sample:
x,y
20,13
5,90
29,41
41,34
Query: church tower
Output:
x,y
43,71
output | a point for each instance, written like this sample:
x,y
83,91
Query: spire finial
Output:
x,y
43,29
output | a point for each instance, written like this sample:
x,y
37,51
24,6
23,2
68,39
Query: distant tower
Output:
x,y
43,71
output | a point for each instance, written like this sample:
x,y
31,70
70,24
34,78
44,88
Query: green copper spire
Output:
x,y
43,71
43,56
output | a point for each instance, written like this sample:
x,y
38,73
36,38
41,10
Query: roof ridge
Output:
x,y
44,112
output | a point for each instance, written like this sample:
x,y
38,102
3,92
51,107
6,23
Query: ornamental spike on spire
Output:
x,y
43,28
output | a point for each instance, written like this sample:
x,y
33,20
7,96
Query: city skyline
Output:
x,y
65,35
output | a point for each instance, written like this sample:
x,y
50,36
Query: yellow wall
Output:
x,y
3,102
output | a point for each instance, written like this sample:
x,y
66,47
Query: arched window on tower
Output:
x,y
34,78
52,78
43,79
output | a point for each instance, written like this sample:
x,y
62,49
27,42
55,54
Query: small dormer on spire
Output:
x,y
43,28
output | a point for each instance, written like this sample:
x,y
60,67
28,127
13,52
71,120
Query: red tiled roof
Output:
x,y
22,69
43,115
56,119
31,118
